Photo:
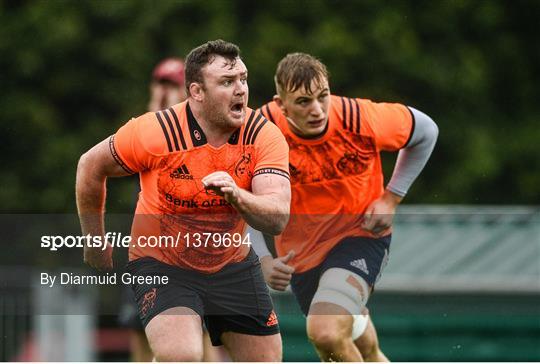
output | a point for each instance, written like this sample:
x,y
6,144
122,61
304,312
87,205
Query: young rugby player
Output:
x,y
337,241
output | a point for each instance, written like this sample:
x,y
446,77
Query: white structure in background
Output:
x,y
65,323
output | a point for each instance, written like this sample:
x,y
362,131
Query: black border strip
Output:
x,y
164,131
173,133
117,157
277,171
177,122
351,126
255,124
248,125
357,116
270,116
344,112
413,126
258,130
195,129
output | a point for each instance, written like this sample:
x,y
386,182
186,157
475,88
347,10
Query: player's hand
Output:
x,y
277,273
223,185
98,258
380,213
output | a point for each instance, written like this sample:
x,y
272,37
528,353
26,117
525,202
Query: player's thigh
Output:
x,y
170,312
364,256
176,335
304,285
239,301
328,323
335,309
348,274
243,347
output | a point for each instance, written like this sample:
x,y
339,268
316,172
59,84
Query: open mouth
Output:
x,y
316,123
237,108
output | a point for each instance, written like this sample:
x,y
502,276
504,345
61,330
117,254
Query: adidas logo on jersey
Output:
x,y
181,173
360,264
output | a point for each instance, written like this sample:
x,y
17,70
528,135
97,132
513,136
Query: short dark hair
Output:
x,y
297,70
204,54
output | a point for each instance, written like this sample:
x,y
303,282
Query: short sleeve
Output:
x,y
272,152
390,124
128,147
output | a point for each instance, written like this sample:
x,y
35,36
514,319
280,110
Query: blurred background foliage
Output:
x,y
71,72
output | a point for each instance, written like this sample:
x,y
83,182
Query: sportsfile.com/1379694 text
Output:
x,y
119,240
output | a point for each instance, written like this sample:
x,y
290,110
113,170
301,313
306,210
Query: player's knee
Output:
x,y
369,349
327,332
371,354
175,353
327,341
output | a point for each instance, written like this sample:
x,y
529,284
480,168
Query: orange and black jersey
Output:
x,y
170,152
336,176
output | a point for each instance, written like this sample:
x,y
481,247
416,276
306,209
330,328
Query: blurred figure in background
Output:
x,y
167,88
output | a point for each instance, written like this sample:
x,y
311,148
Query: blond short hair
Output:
x,y
298,70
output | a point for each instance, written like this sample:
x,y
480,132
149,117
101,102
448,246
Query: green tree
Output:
x,y
73,72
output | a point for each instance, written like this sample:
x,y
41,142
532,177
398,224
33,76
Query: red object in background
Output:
x,y
170,69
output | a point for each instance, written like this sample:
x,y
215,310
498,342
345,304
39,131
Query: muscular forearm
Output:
x,y
266,209
412,159
90,189
90,193
267,213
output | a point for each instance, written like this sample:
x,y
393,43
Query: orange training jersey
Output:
x,y
335,177
170,152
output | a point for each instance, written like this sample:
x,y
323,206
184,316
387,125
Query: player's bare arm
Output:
x,y
265,209
90,188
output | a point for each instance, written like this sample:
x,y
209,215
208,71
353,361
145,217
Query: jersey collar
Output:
x,y
198,137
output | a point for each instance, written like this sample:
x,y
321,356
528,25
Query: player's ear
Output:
x,y
279,102
196,91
